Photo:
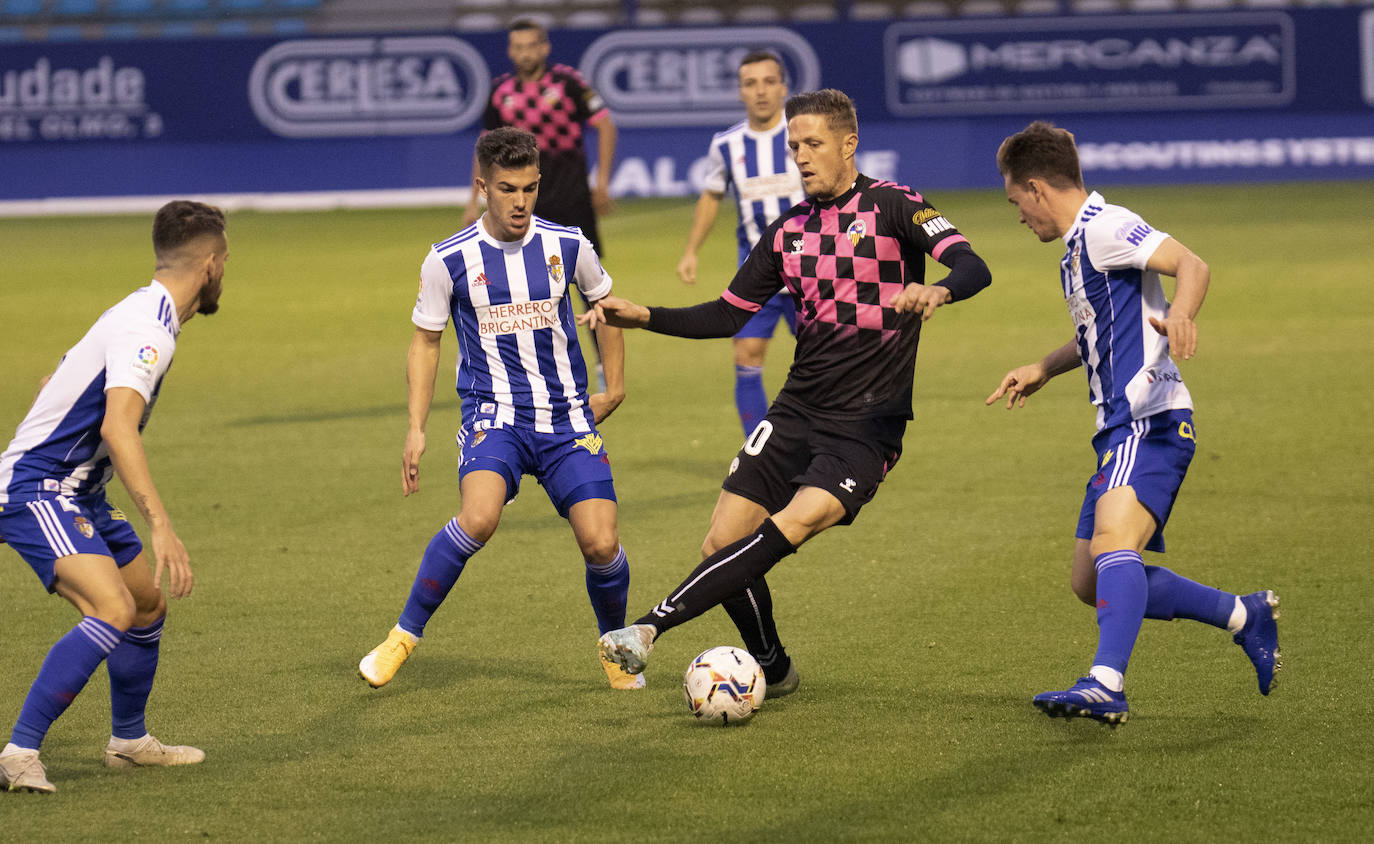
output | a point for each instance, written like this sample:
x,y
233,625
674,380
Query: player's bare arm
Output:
x,y
703,218
615,311
1019,384
422,366
1192,276
124,408
605,149
611,341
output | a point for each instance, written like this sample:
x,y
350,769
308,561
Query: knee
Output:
x,y
600,548
479,524
1085,587
117,610
149,607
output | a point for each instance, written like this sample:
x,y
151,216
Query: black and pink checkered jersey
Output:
x,y
553,109
843,260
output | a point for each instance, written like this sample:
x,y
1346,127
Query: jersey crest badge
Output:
x,y
556,269
591,442
855,232
84,525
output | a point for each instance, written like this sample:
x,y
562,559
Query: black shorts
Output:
x,y
789,449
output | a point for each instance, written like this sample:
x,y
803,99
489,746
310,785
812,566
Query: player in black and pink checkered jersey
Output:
x,y
853,256
553,103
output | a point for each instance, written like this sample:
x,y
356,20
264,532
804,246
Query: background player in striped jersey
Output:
x,y
504,282
750,158
853,258
1124,332
86,424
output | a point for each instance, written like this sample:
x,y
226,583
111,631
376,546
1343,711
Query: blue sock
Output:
x,y
68,666
1121,597
132,665
608,585
443,561
1173,596
750,399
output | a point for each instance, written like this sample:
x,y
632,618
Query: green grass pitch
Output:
x,y
921,632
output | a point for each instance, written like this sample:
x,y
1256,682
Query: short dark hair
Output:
x,y
835,106
756,56
526,24
1041,151
508,148
181,221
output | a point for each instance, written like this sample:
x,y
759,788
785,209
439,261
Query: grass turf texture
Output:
x,y
921,632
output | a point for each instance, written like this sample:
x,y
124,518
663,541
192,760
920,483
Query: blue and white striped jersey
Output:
x,y
57,449
759,167
519,363
1111,297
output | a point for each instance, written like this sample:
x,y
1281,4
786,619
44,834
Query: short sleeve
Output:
x,y
1119,239
491,118
717,176
436,290
588,105
138,356
592,278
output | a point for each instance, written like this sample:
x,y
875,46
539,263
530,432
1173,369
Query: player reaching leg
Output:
x,y
1125,333
853,259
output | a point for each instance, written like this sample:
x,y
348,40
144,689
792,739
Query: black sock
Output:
x,y
752,612
727,572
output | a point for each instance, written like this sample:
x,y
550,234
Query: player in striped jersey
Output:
x,y
1125,330
750,158
504,282
853,258
85,425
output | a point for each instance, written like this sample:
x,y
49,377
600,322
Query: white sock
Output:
x,y
1109,677
1238,617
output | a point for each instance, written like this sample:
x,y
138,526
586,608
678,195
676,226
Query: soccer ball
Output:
x,y
724,686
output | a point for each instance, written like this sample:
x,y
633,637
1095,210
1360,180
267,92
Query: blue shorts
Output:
x,y
570,467
1150,456
761,324
47,530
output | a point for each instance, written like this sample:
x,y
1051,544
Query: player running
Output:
x,y
86,424
853,259
750,158
525,410
1124,332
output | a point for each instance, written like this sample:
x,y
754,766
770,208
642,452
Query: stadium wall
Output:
x,y
95,126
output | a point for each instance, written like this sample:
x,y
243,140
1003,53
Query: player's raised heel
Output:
x,y
21,771
381,663
628,647
148,752
1260,637
1087,698
619,677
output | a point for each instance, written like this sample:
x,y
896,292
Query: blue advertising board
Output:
x,y
1279,94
